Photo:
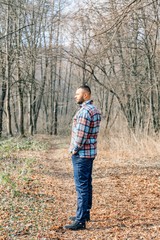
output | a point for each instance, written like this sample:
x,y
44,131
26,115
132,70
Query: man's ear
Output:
x,y
85,95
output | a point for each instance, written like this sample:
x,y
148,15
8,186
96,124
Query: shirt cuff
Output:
x,y
75,149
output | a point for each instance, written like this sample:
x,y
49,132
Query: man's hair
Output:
x,y
86,88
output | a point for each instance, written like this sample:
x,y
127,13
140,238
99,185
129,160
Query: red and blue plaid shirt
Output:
x,y
85,129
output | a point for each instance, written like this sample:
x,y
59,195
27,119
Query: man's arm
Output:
x,y
82,130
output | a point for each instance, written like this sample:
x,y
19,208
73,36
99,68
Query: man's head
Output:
x,y
83,94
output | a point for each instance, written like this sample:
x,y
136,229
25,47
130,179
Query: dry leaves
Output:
x,y
38,204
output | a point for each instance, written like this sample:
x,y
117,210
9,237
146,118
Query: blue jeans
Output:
x,y
82,168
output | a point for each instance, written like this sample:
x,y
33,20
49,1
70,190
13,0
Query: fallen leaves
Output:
x,y
125,198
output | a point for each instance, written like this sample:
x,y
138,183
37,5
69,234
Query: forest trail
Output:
x,y
126,197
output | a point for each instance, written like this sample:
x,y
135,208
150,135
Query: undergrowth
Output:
x,y
8,146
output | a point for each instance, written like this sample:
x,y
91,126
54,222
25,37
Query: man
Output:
x,y
83,147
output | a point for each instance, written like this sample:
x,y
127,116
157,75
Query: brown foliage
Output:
x,y
125,204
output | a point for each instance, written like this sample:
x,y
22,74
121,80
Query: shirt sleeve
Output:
x,y
82,130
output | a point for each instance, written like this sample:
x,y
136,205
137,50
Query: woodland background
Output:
x,y
50,47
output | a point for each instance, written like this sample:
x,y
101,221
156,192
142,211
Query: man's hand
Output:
x,y
74,152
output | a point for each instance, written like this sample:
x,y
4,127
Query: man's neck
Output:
x,y
89,100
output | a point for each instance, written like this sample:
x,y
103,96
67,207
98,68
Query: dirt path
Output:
x,y
126,202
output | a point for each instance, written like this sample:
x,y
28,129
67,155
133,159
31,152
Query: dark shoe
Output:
x,y
74,218
75,226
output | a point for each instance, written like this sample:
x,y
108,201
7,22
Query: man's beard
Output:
x,y
81,101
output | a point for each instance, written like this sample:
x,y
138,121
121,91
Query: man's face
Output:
x,y
80,96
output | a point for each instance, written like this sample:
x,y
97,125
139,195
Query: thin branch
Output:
x,y
18,30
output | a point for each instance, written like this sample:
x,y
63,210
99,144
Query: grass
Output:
x,y
16,172
122,145
14,144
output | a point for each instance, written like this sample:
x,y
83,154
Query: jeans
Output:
x,y
82,168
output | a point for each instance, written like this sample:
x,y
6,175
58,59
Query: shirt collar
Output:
x,y
86,102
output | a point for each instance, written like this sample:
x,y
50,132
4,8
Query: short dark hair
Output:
x,y
86,88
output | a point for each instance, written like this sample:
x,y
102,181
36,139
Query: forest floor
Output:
x,y
37,194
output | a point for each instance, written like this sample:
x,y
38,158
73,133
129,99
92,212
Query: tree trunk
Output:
x,y
8,73
2,105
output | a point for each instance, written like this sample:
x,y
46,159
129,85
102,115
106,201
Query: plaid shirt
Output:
x,y
85,129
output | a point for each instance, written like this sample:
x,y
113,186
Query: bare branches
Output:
x,y
114,46
18,30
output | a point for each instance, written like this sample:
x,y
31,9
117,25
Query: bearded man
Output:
x,y
83,147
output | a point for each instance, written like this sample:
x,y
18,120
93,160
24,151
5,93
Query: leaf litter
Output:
x,y
38,196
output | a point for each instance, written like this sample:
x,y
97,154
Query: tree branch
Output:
x,y
18,30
